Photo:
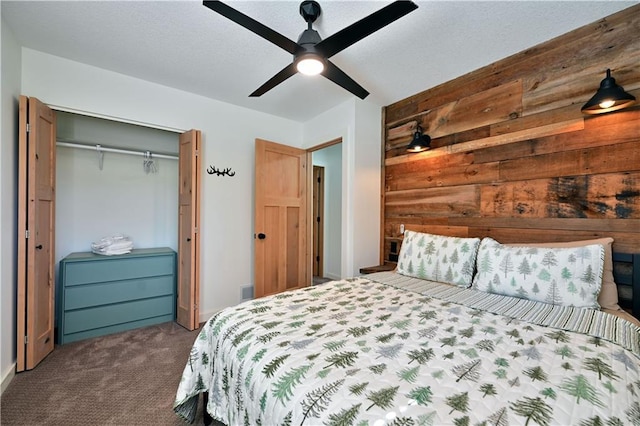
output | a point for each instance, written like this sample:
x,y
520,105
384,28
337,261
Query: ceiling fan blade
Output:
x,y
286,72
364,27
335,74
253,25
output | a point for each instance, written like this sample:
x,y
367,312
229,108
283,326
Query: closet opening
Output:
x,y
140,181
113,179
106,185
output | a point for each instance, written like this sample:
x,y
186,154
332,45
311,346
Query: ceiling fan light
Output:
x,y
310,65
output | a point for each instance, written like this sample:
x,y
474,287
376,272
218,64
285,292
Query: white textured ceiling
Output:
x,y
184,45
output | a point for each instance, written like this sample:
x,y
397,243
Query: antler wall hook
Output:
x,y
226,172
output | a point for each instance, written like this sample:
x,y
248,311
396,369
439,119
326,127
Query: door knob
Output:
x,y
188,239
39,246
261,236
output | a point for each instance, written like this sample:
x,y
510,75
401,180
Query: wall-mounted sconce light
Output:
x,y
420,141
609,97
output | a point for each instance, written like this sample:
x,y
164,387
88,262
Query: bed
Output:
x,y
403,348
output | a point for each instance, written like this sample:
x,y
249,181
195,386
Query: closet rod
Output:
x,y
100,148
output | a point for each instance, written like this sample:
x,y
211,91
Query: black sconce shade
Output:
x,y
609,97
420,141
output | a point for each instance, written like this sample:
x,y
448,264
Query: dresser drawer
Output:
x,y
84,296
116,269
120,313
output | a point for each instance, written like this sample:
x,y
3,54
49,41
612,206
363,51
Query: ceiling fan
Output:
x,y
311,53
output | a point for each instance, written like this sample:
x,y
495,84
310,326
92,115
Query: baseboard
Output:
x,y
8,376
331,276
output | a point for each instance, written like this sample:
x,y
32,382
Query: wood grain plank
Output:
x,y
450,201
599,196
532,121
521,135
428,161
401,134
598,131
550,224
443,177
490,106
603,159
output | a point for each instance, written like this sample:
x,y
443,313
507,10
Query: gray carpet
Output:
x,y
128,378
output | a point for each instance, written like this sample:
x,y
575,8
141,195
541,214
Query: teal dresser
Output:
x,y
105,294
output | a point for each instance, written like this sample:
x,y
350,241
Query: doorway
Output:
x,y
327,232
318,222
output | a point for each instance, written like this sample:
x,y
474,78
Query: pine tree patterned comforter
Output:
x,y
411,352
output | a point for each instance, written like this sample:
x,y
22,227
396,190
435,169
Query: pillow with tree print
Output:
x,y
570,276
438,258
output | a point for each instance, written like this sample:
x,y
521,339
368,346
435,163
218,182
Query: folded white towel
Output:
x,y
112,245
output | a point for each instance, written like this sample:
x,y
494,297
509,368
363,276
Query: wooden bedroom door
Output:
x,y
280,218
36,237
187,312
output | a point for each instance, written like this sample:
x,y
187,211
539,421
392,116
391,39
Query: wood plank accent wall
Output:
x,y
512,155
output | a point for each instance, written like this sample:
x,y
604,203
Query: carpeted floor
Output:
x,y
126,379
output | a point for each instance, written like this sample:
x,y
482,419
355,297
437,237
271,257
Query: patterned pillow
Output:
x,y
438,258
608,297
570,276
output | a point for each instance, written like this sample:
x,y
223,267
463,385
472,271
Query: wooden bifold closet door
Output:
x,y
36,236
188,311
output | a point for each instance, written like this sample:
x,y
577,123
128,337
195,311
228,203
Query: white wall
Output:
x,y
331,159
356,122
367,185
119,199
11,59
228,141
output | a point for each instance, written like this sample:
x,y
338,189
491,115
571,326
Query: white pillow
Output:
x,y
438,258
570,276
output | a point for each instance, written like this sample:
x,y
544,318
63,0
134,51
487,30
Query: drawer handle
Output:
x,y
39,246
188,239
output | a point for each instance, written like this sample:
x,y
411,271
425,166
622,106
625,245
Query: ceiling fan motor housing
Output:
x,y
308,39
